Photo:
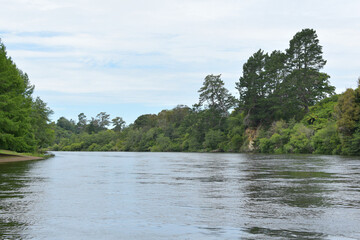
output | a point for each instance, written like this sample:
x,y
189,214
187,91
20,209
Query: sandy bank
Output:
x,y
4,158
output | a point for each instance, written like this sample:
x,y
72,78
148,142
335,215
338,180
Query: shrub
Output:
x,y
327,140
213,138
299,140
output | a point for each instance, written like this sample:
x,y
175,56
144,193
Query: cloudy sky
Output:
x,y
132,57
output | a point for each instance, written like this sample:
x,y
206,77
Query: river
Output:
x,y
120,195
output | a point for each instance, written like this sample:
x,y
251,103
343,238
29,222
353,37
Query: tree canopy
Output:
x,y
284,85
23,121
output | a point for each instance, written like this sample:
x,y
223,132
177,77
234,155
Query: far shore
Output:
x,y
5,158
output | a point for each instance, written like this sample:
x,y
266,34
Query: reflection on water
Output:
x,y
181,196
14,201
284,234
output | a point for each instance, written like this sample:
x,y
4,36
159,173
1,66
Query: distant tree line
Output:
x,y
286,105
24,121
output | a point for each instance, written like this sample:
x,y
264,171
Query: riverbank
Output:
x,y
9,156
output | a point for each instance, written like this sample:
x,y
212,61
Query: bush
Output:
x,y
94,147
213,138
299,140
351,145
327,140
265,146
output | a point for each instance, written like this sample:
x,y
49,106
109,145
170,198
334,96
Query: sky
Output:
x,y
134,57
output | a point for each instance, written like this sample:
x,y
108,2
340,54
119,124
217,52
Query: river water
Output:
x,y
82,195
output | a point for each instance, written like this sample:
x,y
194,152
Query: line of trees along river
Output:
x,y
285,105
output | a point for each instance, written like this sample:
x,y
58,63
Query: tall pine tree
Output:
x,y
304,80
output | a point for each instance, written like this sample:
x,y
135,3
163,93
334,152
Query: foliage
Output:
x,y
215,95
118,124
40,121
348,112
304,62
213,138
286,105
283,85
327,140
24,123
320,114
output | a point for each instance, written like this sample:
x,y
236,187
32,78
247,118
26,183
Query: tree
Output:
x,y
304,80
118,124
66,124
215,95
16,132
82,122
40,121
274,75
253,88
283,85
99,123
145,121
348,112
216,102
103,120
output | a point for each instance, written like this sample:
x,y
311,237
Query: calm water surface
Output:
x,y
180,196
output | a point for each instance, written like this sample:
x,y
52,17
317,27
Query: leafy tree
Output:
x,y
93,126
253,88
103,119
276,96
40,121
66,124
348,111
300,140
320,114
82,122
213,138
16,132
304,80
145,121
99,123
327,140
214,95
348,121
118,124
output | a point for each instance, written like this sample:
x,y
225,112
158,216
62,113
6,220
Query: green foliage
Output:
x,y
99,123
304,62
286,105
147,120
283,85
327,140
213,138
40,122
348,112
278,136
185,129
24,123
253,88
215,95
118,124
299,140
320,114
66,124
351,145
162,144
348,121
